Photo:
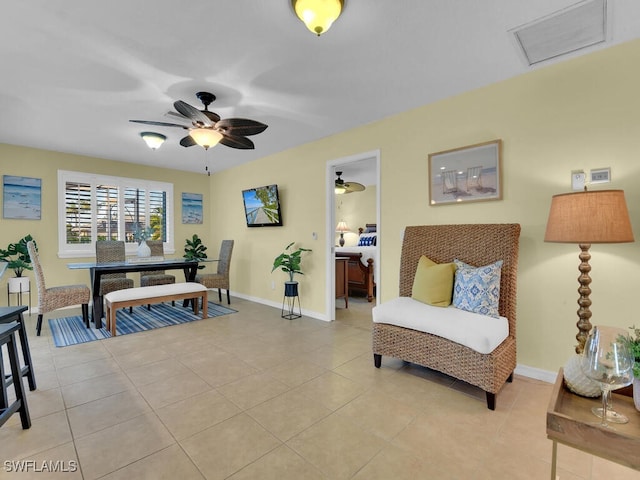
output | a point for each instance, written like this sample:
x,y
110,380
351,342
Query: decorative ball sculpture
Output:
x,y
577,381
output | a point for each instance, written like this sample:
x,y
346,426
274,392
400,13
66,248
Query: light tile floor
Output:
x,y
254,396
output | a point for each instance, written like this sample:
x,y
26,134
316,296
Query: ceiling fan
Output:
x,y
347,187
207,128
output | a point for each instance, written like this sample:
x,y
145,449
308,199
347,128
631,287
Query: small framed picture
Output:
x,y
466,174
22,197
191,208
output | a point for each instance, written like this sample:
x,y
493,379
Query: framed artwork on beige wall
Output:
x,y
22,197
466,174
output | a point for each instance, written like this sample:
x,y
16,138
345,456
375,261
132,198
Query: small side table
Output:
x,y
14,314
19,293
289,301
570,422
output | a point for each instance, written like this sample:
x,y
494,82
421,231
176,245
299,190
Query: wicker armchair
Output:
x,y
476,244
156,277
110,251
220,279
53,298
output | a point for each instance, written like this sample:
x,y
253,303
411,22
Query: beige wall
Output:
x,y
30,162
579,114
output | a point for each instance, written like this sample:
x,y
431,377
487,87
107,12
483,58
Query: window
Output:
x,y
95,207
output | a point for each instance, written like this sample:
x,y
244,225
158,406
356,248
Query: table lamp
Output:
x,y
342,227
584,218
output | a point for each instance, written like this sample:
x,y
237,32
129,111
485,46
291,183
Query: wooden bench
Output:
x,y
132,297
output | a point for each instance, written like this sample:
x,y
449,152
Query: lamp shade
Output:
x,y
589,217
318,15
152,139
342,227
206,137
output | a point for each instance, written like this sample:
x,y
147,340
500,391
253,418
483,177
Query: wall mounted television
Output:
x,y
262,206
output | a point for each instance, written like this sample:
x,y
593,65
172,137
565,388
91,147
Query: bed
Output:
x,y
361,261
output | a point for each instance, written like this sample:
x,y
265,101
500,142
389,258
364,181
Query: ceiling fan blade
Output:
x,y
187,141
177,116
192,113
241,126
241,143
159,124
353,187
213,116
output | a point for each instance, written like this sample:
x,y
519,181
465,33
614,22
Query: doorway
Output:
x,y
362,168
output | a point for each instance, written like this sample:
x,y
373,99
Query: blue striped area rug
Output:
x,y
71,330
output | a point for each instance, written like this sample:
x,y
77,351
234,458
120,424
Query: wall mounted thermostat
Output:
x,y
601,175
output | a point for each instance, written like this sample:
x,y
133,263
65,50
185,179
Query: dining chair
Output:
x,y
220,279
156,277
53,298
110,251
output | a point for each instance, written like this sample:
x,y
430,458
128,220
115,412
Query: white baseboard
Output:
x,y
536,373
278,305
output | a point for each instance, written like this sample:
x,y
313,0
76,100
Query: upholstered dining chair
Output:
x,y
109,251
53,298
220,279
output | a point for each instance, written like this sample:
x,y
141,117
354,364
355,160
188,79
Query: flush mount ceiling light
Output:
x,y
206,137
152,139
318,15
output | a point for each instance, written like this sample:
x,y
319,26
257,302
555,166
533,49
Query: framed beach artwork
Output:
x,y
22,197
466,174
191,208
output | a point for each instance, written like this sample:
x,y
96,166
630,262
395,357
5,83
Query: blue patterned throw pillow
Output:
x,y
477,289
367,240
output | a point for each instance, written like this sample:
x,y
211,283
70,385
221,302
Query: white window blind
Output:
x,y
95,207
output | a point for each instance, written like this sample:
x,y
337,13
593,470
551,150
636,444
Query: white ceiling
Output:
x,y
73,72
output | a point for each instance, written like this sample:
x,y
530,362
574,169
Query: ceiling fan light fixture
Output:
x,y
206,137
152,139
318,15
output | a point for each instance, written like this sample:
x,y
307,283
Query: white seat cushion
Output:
x,y
154,291
473,330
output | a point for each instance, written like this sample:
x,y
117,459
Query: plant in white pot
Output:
x,y
141,235
289,262
17,257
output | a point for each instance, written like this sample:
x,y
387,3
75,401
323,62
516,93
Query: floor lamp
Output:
x,y
586,218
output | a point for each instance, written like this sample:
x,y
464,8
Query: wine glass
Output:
x,y
608,360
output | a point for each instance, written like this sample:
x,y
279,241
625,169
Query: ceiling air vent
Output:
x,y
565,31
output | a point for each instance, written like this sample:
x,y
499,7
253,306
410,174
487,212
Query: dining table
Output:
x,y
130,265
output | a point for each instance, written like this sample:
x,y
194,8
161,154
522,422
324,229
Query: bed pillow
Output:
x,y
433,282
477,289
367,240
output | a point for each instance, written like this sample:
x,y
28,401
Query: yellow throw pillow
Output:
x,y
433,283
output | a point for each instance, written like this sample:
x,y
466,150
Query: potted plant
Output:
x,y
194,250
289,262
17,257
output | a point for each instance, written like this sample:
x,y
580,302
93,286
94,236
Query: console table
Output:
x,y
570,422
